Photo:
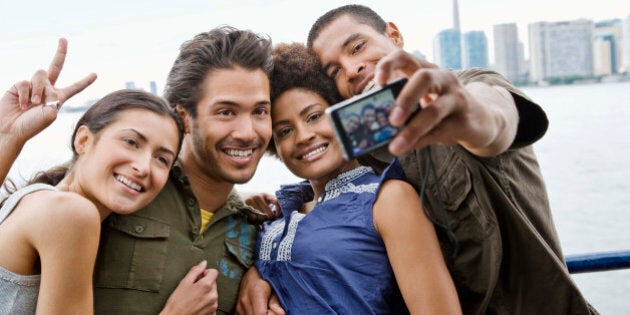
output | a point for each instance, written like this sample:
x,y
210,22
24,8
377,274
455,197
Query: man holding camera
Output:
x,y
468,153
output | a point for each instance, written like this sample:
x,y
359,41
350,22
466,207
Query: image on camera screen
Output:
x,y
366,122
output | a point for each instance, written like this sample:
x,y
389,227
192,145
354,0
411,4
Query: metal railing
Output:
x,y
603,261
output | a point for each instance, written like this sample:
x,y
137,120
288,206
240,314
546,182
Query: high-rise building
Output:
x,y
456,16
561,49
508,51
447,49
475,50
608,34
130,85
625,59
604,55
153,87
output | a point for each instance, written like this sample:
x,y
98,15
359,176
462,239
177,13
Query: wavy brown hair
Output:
x,y
100,115
224,47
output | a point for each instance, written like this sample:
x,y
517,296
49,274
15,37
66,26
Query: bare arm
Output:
x,y
480,117
414,251
22,115
66,238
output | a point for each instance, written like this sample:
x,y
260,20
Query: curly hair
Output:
x,y
297,67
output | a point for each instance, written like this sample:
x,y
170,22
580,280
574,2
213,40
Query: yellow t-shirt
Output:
x,y
205,218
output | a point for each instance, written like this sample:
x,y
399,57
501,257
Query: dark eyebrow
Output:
x,y
345,44
350,39
303,112
235,104
139,134
308,108
144,138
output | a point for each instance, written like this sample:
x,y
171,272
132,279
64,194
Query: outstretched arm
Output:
x,y
413,250
480,117
23,110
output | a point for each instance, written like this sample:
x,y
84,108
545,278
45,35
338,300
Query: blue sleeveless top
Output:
x,y
18,293
331,261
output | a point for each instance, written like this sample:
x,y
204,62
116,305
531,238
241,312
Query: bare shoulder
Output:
x,y
398,207
54,204
56,211
395,191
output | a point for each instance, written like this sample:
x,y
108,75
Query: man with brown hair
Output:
x,y
219,85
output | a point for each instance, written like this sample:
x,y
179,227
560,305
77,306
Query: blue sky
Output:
x,y
138,40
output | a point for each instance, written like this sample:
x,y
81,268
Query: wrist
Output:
x,y
10,150
10,146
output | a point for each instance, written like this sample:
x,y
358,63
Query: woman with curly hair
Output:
x,y
348,240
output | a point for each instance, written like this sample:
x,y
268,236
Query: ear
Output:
x,y
83,139
392,32
183,114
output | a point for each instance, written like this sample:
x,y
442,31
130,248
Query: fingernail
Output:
x,y
203,263
35,99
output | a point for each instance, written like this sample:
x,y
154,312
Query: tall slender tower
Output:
x,y
456,16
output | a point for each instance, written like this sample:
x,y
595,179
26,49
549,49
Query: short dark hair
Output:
x,y
224,47
360,13
296,66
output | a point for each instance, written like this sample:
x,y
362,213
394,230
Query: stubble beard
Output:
x,y
212,167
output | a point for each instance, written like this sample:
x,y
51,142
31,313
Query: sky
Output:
x,y
138,40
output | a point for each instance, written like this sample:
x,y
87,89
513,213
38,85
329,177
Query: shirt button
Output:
x,y
195,230
275,245
139,228
320,198
191,202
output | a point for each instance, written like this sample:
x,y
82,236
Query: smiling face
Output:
x,y
233,125
352,123
304,137
381,118
123,167
349,52
369,116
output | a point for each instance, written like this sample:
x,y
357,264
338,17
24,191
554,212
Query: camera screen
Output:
x,y
366,122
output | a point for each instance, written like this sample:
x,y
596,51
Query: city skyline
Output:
x,y
559,51
138,41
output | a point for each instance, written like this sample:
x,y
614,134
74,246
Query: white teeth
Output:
x,y
316,151
240,153
369,86
128,183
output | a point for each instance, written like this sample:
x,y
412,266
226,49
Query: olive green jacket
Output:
x,y
143,256
508,258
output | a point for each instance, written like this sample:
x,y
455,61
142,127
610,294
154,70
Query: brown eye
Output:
x,y
314,117
164,161
131,142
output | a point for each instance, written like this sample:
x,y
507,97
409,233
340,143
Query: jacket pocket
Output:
x,y
132,253
455,192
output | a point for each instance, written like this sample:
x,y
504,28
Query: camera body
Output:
x,y
361,123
